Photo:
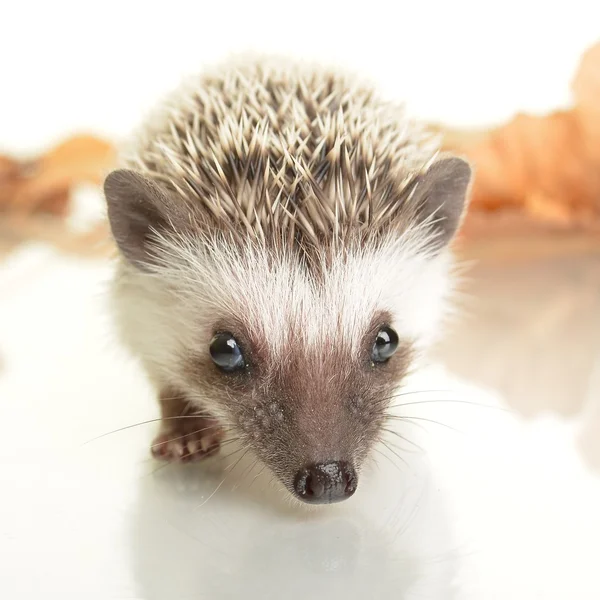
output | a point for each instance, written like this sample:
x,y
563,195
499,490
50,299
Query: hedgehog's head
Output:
x,y
297,343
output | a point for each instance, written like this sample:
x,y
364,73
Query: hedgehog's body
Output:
x,y
285,220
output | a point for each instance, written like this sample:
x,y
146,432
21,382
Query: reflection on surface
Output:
x,y
245,539
531,331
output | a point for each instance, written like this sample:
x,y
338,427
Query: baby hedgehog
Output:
x,y
284,261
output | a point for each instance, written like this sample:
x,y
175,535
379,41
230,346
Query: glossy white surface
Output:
x,y
495,508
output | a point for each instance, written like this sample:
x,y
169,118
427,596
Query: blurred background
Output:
x,y
78,77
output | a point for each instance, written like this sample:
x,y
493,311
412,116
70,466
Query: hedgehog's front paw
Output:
x,y
187,439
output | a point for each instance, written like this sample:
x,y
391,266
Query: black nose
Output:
x,y
325,483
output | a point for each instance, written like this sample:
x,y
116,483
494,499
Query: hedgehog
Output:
x,y
284,261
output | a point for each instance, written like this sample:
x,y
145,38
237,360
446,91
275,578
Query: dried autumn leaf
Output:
x,y
547,167
8,168
44,185
82,158
9,172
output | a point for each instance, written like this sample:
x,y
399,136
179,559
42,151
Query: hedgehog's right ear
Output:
x,y
442,196
137,209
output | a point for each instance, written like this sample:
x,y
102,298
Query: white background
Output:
x,y
98,66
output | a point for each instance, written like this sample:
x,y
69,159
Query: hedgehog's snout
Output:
x,y
325,483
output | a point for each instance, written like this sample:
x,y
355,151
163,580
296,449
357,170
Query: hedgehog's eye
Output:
x,y
226,353
386,343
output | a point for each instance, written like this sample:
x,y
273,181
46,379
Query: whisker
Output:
x,y
409,419
393,452
246,471
408,394
417,392
437,391
149,422
399,417
229,471
229,441
258,475
179,397
212,494
226,456
468,402
405,439
388,458
185,435
230,468
374,460
401,450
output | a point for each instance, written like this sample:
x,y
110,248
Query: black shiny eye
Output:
x,y
226,353
386,343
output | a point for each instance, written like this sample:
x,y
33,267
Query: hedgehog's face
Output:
x,y
299,350
310,410
310,404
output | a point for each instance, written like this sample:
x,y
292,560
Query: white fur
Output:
x,y
172,312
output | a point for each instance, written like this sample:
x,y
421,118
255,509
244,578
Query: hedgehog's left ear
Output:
x,y
441,196
138,210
